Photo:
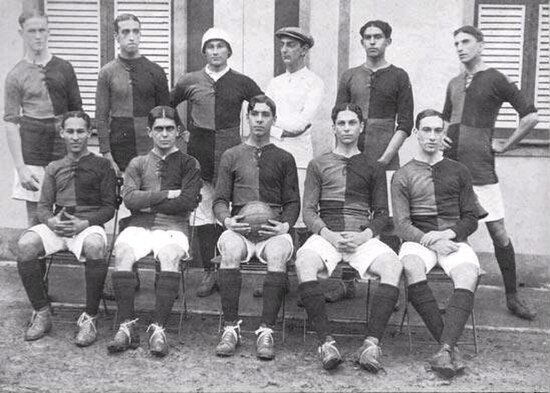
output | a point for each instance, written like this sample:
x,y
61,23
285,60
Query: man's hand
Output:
x,y
434,236
446,143
355,239
67,225
288,134
233,224
336,239
498,147
173,194
274,228
28,180
54,223
114,165
185,136
444,247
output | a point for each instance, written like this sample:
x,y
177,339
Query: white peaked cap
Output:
x,y
215,33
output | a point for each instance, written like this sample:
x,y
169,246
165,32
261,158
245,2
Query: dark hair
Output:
x,y
384,26
35,13
346,106
262,99
162,112
427,113
122,18
78,114
473,31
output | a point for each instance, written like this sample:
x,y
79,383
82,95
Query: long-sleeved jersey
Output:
x,y
85,188
345,194
267,174
147,181
433,198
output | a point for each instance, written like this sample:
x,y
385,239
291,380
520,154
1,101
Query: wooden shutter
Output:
x,y
74,36
156,28
542,85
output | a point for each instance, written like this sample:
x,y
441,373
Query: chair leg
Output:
x,y
474,330
284,318
367,303
183,312
305,324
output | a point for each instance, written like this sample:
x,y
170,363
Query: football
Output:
x,y
256,214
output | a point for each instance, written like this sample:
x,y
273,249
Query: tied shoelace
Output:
x,y
125,326
157,329
327,345
264,335
86,319
234,330
371,347
35,315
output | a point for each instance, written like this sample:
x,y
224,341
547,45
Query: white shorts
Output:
x,y
490,198
465,254
18,192
143,241
360,260
54,243
204,214
255,249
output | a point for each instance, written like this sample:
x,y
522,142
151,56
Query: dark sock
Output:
x,y
274,292
383,302
423,301
167,290
95,271
208,237
458,310
124,284
31,276
314,303
506,258
229,282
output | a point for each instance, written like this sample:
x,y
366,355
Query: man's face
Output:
x,y
292,50
128,36
347,127
260,119
35,33
467,47
216,52
430,134
75,133
375,42
164,133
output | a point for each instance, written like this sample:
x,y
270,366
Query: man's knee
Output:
x,y
308,265
94,247
233,250
277,252
388,267
29,247
124,257
497,231
465,275
414,268
169,257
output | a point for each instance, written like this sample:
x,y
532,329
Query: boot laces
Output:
x,y
125,327
157,330
86,319
264,336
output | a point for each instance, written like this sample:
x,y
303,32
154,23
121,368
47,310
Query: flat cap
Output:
x,y
296,33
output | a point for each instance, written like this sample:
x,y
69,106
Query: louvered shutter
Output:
x,y
156,39
542,85
503,28
74,36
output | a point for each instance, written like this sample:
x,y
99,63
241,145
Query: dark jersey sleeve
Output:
x,y
467,224
291,193
405,104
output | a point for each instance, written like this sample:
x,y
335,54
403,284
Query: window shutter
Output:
x,y
156,39
74,36
542,85
503,28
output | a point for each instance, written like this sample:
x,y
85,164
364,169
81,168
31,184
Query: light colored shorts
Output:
x,y
360,260
255,249
54,243
465,254
20,193
143,241
204,214
490,198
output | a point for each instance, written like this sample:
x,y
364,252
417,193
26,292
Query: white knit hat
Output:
x,y
214,33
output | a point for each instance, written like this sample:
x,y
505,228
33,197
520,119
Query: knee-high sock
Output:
x,y
458,310
124,286
95,272
383,303
314,303
31,276
208,237
274,292
167,290
423,301
506,258
229,282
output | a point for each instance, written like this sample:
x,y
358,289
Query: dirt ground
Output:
x,y
506,362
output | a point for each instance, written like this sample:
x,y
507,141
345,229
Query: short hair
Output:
x,y
346,106
384,26
122,18
163,112
262,99
34,13
78,114
427,113
473,31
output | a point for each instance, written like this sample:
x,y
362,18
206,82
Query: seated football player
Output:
x,y
255,170
434,209
345,206
77,198
160,190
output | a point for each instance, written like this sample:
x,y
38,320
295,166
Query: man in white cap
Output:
x,y
215,95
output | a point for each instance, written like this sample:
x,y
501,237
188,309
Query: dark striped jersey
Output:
x,y
85,188
267,174
386,100
214,114
147,181
127,90
472,113
433,198
345,194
